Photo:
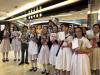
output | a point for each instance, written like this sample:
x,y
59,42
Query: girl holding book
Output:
x,y
80,64
63,62
43,57
33,49
16,43
5,45
54,47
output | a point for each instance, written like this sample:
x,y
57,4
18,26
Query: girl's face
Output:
x,y
65,29
50,24
45,30
96,29
15,28
84,30
25,29
33,30
78,32
55,29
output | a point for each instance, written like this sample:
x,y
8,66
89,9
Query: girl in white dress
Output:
x,y
95,56
43,57
5,45
65,52
80,64
33,49
54,47
16,43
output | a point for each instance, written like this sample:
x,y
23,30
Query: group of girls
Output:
x,y
75,54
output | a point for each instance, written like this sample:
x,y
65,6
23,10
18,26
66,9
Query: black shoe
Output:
x,y
21,63
32,69
35,69
18,59
3,60
26,62
7,59
47,73
15,59
55,74
43,72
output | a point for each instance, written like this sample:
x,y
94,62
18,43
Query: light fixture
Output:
x,y
40,15
34,16
37,15
48,8
25,7
40,7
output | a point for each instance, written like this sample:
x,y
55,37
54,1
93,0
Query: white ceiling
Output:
x,y
7,6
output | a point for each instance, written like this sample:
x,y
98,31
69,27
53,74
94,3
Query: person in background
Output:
x,y
84,30
80,64
50,26
5,45
24,45
71,31
39,30
95,56
16,43
33,49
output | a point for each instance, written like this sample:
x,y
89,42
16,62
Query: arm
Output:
x,y
83,51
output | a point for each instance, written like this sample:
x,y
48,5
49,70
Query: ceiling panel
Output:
x,y
7,6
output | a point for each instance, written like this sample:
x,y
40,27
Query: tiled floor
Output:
x,y
12,68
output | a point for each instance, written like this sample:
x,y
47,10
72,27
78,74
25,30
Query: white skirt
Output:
x,y
33,57
32,48
80,64
43,57
95,59
53,51
16,45
67,55
5,45
59,60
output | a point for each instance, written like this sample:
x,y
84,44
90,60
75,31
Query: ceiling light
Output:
x,y
48,8
25,7
40,14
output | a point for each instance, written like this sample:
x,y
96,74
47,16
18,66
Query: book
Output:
x,y
53,36
61,36
75,44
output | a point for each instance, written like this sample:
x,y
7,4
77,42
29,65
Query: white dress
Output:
x,y
33,47
16,43
53,52
59,60
63,60
43,57
80,64
5,44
